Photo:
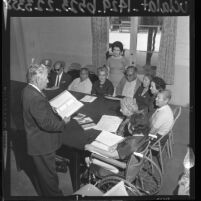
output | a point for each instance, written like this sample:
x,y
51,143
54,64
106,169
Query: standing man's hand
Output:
x,y
66,119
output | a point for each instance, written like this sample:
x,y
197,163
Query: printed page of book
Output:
x,y
108,123
65,104
88,99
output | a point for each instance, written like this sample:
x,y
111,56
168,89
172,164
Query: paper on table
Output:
x,y
109,139
88,99
112,98
108,123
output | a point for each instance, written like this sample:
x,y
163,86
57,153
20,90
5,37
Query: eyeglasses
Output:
x,y
129,75
56,70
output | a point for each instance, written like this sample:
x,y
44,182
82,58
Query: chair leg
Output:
x,y
161,159
168,148
150,156
172,138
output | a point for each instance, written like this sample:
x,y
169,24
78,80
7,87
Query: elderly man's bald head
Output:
x,y
163,98
166,94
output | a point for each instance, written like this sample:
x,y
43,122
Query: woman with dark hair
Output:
x,y
143,94
157,85
117,63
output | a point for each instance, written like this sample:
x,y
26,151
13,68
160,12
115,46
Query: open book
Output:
x,y
105,140
65,104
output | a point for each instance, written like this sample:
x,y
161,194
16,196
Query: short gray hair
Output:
x,y
35,71
166,94
104,69
135,70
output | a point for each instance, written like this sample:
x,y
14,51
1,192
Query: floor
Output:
x,y
21,185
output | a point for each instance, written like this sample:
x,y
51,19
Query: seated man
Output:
x,y
162,119
58,78
103,86
83,83
129,83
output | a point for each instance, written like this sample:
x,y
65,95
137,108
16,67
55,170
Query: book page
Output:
x,y
65,104
108,123
88,99
108,138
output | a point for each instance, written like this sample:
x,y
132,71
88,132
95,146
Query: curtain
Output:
x,y
166,56
18,64
100,35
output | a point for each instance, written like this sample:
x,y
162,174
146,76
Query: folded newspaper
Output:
x,y
65,104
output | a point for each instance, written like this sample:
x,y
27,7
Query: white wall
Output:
x,y
180,89
59,38
66,38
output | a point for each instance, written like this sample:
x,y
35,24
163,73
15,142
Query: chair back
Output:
x,y
176,113
136,160
159,142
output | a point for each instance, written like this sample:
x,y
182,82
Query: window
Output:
x,y
140,37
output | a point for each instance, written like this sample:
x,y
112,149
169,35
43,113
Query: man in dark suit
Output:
x,y
43,130
58,78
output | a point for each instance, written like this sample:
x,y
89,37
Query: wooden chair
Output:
x,y
176,113
159,144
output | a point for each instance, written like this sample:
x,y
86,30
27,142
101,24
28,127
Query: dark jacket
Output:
x,y
106,89
43,127
64,82
143,101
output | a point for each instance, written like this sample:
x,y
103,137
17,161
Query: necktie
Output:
x,y
57,81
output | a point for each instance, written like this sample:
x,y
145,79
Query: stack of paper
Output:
x,y
65,104
108,123
105,140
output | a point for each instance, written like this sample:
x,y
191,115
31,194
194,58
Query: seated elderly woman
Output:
x,y
83,83
103,86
